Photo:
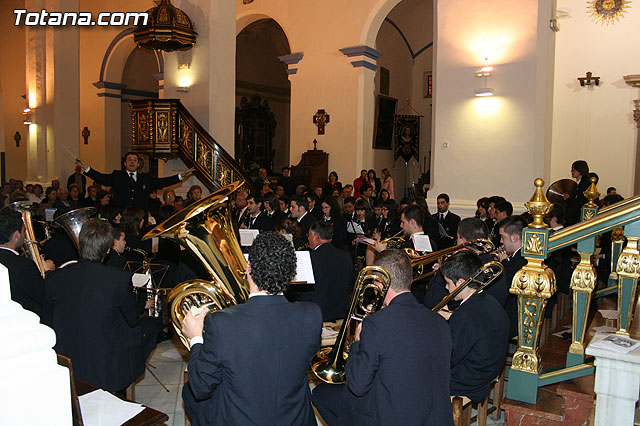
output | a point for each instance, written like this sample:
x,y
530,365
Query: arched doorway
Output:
x,y
405,75
263,97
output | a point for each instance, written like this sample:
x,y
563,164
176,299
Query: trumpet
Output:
x,y
484,276
329,363
418,261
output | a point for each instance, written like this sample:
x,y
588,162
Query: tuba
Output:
x,y
31,245
207,230
329,363
418,262
72,222
484,276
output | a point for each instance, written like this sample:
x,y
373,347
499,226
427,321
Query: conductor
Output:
x,y
129,187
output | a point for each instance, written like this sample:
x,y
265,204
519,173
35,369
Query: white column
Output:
x,y
617,385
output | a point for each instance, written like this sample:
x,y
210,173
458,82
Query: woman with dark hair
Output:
x,y
575,201
131,223
48,201
374,182
103,199
384,195
391,219
331,184
331,213
194,195
289,226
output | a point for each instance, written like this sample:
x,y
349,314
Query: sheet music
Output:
x,y
421,242
49,214
247,236
100,408
304,270
615,343
140,280
354,228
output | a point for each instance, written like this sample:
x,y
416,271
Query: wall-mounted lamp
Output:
x,y
184,66
26,116
184,81
484,72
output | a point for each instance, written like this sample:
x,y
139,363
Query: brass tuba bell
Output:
x,y
72,222
207,230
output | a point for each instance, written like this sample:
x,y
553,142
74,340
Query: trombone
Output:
x,y
484,276
418,261
329,363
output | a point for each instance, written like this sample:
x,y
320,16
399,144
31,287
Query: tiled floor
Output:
x,y
168,362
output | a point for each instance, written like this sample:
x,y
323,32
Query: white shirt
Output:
x,y
300,218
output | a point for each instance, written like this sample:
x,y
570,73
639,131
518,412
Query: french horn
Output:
x,y
206,229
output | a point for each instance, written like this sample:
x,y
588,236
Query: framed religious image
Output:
x,y
384,122
407,137
427,84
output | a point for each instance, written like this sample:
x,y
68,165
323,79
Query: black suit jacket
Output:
x,y
252,367
262,222
277,217
96,322
26,283
340,236
450,225
333,271
511,266
576,200
398,374
304,224
125,193
480,334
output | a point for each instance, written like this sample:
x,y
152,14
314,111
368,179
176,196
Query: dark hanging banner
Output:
x,y
407,137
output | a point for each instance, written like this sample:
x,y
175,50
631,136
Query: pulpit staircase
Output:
x,y
563,391
164,128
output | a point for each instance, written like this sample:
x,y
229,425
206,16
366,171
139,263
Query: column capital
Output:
x,y
363,56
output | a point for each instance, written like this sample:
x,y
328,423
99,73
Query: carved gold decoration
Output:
x,y
584,276
143,127
617,234
162,122
167,28
527,360
530,313
592,194
538,206
588,214
606,11
186,136
223,174
533,244
629,261
535,280
204,157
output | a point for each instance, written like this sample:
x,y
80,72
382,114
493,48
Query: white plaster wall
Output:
x,y
595,124
492,141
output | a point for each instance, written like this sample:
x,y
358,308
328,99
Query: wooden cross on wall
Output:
x,y
320,119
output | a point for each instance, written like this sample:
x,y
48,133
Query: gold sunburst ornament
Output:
x,y
605,11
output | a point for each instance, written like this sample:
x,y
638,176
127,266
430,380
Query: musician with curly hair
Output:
x,y
250,366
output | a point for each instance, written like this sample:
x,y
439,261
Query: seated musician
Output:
x,y
258,219
397,371
250,368
333,272
25,280
469,229
479,330
511,237
411,220
94,314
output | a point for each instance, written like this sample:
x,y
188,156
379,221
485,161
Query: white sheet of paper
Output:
x,y
615,343
247,236
172,354
304,270
49,214
354,228
328,333
100,408
421,242
140,280
609,313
